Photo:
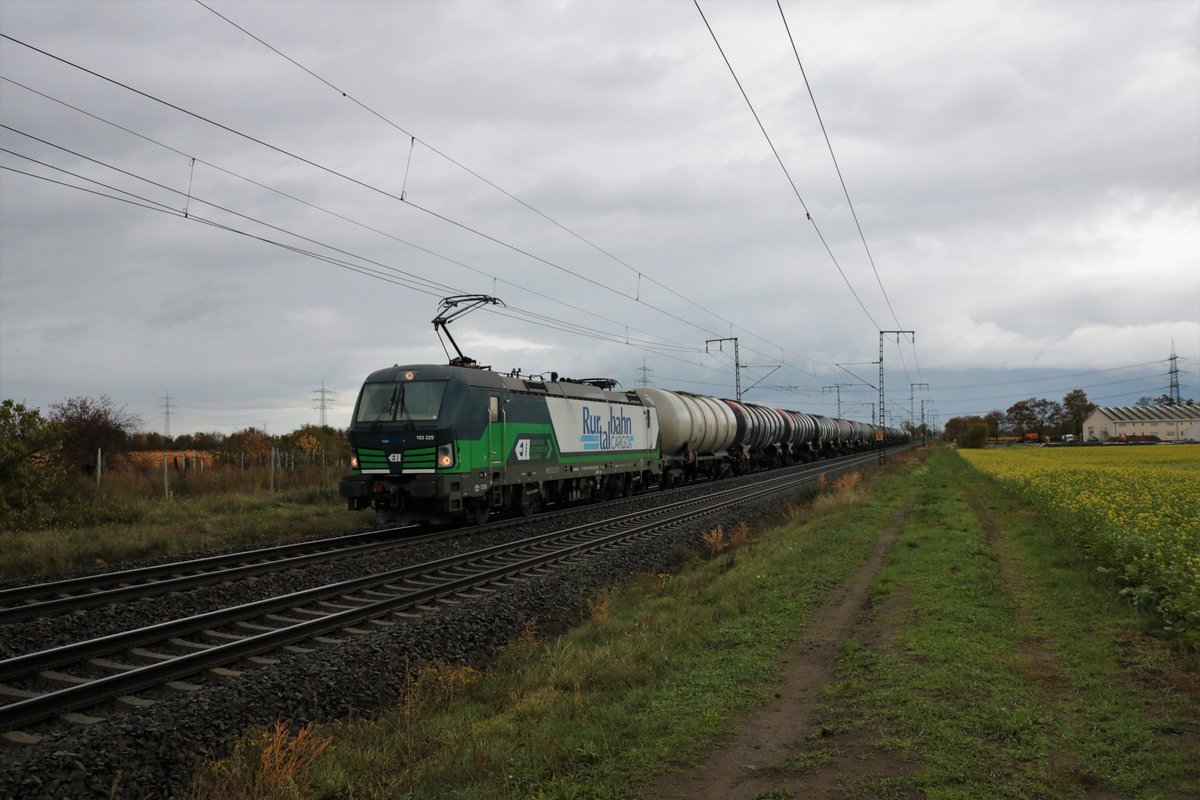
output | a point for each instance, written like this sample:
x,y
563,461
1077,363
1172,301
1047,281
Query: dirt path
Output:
x,y
757,762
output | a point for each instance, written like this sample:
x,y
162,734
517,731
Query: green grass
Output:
x,y
998,663
178,526
1008,682
665,665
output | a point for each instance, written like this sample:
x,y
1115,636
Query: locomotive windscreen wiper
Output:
x,y
403,408
388,409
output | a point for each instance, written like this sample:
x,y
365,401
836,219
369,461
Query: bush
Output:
x,y
974,436
32,477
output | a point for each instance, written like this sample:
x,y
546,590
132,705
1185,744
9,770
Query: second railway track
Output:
x,y
61,681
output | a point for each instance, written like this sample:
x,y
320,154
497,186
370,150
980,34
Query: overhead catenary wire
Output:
x,y
327,211
414,139
846,191
783,167
328,170
436,291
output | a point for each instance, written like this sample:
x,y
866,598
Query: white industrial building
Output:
x,y
1168,423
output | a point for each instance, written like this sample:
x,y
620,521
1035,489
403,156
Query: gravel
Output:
x,y
155,752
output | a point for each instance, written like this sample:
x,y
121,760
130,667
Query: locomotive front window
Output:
x,y
407,400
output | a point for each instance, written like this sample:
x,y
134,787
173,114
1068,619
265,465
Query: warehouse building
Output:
x,y
1168,423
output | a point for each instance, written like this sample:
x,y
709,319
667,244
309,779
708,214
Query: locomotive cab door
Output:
x,y
495,443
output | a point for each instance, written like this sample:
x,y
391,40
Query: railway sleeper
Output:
x,y
357,600
315,613
371,595
337,608
254,627
222,636
133,701
20,738
187,644
148,656
183,686
15,693
105,664
75,718
327,640
56,678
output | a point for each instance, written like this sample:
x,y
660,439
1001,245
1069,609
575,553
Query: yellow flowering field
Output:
x,y
1136,509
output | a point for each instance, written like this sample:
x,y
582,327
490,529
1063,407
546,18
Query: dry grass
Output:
x,y
268,766
598,609
714,541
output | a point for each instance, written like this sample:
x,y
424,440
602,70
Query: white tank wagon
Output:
x,y
696,432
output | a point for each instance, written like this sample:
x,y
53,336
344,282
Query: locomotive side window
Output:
x,y
494,408
407,400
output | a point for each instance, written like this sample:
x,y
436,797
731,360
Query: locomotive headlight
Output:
x,y
354,461
445,455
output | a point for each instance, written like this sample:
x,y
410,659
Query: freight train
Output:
x,y
445,444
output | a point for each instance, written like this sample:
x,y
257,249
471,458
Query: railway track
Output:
x,y
62,681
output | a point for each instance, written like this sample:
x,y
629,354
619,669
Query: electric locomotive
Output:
x,y
444,443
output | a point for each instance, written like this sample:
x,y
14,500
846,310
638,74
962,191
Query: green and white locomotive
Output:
x,y
444,443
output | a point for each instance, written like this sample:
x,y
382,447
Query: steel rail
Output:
x,y
572,541
20,603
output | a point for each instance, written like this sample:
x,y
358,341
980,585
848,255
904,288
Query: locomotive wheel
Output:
x,y
530,502
479,509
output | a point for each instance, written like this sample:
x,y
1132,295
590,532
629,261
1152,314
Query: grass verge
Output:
x,y
665,665
1008,668
180,526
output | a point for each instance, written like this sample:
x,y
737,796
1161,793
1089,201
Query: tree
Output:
x,y
32,478
974,436
956,426
1046,414
1076,409
1021,417
993,420
91,424
251,442
1033,415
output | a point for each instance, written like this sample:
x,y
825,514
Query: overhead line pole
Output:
x,y
737,362
882,416
911,403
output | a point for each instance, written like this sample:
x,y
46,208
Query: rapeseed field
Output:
x,y
1135,509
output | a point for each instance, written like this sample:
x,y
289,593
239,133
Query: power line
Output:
x,y
336,173
416,139
494,278
787,174
519,314
829,144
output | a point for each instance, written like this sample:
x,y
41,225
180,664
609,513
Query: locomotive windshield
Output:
x,y
406,400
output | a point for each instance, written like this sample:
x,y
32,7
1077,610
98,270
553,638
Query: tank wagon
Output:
x,y
451,443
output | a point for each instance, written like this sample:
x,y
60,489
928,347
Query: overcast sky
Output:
x,y
1026,176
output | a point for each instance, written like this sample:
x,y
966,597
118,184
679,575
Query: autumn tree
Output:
x,y
254,444
993,420
1076,408
90,424
32,475
1020,416
317,439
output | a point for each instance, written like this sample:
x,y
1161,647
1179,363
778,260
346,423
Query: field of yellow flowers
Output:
x,y
1136,510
